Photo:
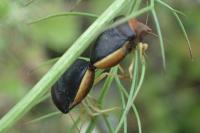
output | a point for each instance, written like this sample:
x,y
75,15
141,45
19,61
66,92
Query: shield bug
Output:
x,y
73,85
113,44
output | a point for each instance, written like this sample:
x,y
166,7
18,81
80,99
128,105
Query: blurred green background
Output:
x,y
168,101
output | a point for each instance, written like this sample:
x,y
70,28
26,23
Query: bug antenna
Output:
x,y
153,34
74,123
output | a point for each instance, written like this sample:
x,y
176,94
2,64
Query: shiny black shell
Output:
x,y
111,40
65,89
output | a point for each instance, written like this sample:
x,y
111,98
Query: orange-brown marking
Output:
x,y
114,58
138,27
84,87
133,24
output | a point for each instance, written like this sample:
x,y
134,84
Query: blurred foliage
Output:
x,y
168,101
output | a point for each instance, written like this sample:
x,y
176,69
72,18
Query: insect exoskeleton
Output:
x,y
113,44
73,86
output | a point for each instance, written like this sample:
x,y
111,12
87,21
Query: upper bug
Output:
x,y
113,44
73,85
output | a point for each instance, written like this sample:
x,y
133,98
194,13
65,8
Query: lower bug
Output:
x,y
73,85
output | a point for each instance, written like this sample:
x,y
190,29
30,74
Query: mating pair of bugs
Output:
x,y
109,49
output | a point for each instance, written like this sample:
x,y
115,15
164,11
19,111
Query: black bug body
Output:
x,y
110,48
73,86
114,39
113,44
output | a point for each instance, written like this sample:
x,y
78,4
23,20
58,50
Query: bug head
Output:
x,y
139,28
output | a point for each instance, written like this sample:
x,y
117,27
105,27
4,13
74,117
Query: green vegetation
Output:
x,y
34,33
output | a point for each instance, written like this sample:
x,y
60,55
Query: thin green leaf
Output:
x,y
134,14
64,14
169,7
108,124
51,62
106,86
136,6
180,24
123,107
138,119
184,33
84,58
160,37
44,117
131,7
122,101
132,96
140,82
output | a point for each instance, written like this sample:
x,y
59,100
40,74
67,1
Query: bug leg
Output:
x,y
103,75
95,110
87,108
115,75
142,48
130,69
131,66
75,125
105,111
121,69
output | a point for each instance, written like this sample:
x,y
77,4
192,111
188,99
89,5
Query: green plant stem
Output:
x,y
27,102
108,124
102,98
120,87
138,118
132,96
123,90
